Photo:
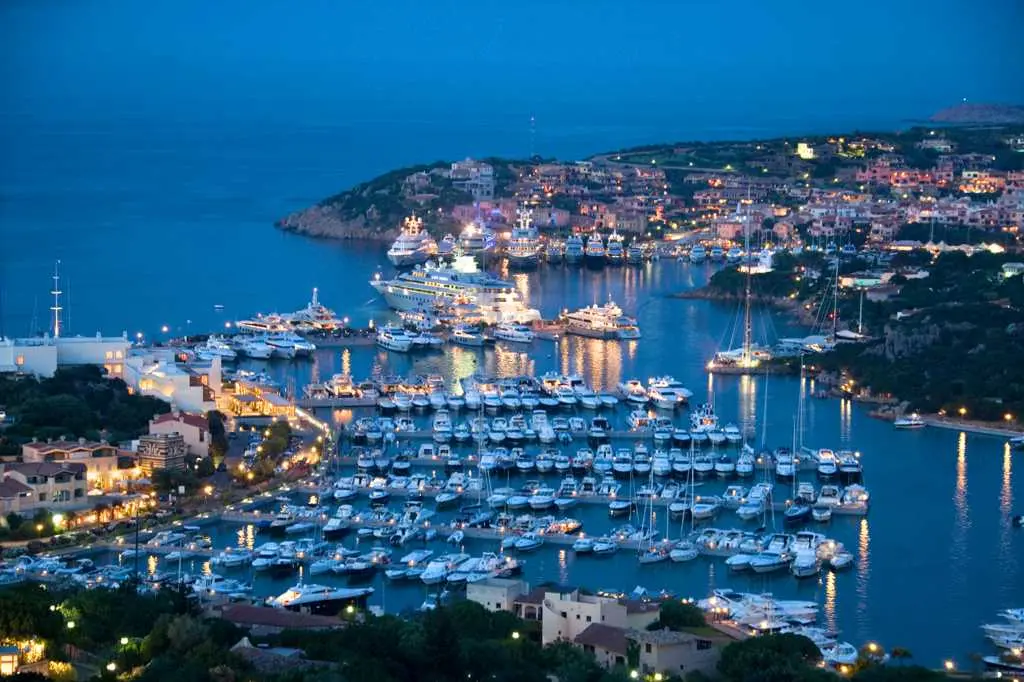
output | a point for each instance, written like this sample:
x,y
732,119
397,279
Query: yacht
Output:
x,y
514,333
602,322
463,284
698,254
635,254
475,238
289,340
523,249
667,393
314,318
554,252
215,347
414,245
467,336
615,252
394,338
318,598
912,421
574,250
254,348
594,251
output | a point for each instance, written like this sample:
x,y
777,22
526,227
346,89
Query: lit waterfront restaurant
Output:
x,y
43,355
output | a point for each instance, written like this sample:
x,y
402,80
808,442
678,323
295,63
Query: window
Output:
x,y
647,647
577,616
703,644
20,360
564,614
588,619
42,497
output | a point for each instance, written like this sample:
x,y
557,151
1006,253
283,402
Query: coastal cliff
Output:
x,y
330,222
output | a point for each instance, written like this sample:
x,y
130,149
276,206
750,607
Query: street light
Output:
x,y
124,641
71,625
949,665
515,634
962,411
633,674
111,666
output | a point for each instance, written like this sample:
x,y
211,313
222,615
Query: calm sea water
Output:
x,y
157,190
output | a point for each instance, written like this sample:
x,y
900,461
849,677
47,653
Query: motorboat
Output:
x,y
466,336
828,465
604,546
583,545
739,562
683,551
797,513
821,513
529,542
513,333
393,338
911,421
321,599
768,562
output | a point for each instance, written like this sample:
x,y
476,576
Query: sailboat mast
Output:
x,y
747,331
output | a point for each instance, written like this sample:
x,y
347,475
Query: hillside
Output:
x,y
374,209
1000,114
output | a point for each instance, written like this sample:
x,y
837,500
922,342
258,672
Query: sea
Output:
x,y
158,210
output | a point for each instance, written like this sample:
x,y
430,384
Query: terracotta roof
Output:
x,y
64,446
46,468
601,636
248,615
12,488
195,420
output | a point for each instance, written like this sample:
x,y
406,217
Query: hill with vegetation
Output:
x,y
951,340
375,209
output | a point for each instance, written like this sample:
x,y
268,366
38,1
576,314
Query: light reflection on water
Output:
x,y
845,420
863,575
1007,556
151,564
830,600
563,567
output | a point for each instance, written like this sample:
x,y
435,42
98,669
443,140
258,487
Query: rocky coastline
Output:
x,y
326,222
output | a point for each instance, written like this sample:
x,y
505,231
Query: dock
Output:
x,y
350,402
971,427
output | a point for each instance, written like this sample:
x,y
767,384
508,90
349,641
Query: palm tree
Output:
x,y
900,654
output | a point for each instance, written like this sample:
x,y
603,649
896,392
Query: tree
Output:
x,y
770,658
677,616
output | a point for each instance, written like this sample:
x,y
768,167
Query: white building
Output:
x,y
43,355
496,594
567,613
194,428
189,387
475,177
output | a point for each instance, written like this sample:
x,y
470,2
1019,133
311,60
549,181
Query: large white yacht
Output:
x,y
524,247
574,249
602,322
318,598
394,339
315,317
516,333
595,249
215,347
414,245
461,284
616,250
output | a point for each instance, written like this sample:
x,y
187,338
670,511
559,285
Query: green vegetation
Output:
x,y
75,402
782,281
959,347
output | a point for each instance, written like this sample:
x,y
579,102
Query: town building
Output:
x,y
566,612
474,177
188,386
496,594
161,451
106,467
194,429
54,486
44,355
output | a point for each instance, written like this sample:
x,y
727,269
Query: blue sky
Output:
x,y
742,58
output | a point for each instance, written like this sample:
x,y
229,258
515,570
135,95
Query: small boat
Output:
x,y
841,560
739,562
604,546
583,545
821,513
683,551
767,562
529,542
912,421
798,513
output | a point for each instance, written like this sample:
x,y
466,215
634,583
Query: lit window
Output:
x,y
20,360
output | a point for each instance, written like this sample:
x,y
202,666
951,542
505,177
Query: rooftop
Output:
x,y
11,489
45,468
601,636
248,615
196,420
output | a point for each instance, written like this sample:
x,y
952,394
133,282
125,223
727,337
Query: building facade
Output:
x,y
55,486
194,429
43,355
106,468
161,451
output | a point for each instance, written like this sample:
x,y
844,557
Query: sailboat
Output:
x,y
749,356
798,511
685,549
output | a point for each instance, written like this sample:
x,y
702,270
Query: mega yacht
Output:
x,y
615,252
524,247
461,284
318,598
595,250
414,245
574,249
314,318
475,239
602,322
